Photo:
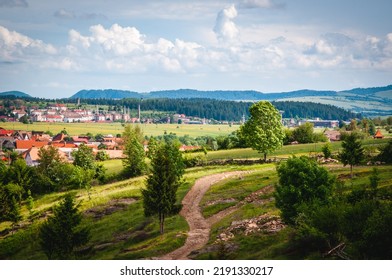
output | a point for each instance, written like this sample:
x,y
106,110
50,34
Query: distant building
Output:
x,y
333,135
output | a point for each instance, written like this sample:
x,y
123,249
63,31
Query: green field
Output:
x,y
116,128
126,234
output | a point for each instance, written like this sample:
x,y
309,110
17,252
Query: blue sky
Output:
x,y
56,48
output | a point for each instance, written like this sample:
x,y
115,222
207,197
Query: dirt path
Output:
x,y
199,227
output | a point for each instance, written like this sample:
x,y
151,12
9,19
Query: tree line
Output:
x,y
228,110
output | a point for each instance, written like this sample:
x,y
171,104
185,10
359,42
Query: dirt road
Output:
x,y
199,227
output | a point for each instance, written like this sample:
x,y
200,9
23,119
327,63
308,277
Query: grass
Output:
x,y
269,246
117,128
286,151
127,234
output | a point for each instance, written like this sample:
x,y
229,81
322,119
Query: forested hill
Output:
x,y
14,93
227,110
233,95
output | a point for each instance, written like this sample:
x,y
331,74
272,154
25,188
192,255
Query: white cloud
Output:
x,y
126,49
225,28
15,46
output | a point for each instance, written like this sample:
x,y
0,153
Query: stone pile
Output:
x,y
265,224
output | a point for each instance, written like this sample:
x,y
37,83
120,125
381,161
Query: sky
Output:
x,y
51,48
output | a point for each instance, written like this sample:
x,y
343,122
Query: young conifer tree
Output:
x,y
159,196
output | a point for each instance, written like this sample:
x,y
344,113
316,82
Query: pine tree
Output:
x,y
159,197
352,153
62,233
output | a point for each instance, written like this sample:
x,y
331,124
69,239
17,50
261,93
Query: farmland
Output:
x,y
192,130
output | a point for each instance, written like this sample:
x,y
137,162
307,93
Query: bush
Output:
x,y
301,181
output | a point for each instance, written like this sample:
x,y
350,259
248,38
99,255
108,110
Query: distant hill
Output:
x,y
232,95
105,94
373,101
14,93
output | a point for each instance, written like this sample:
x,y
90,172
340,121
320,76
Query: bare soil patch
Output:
x,y
109,208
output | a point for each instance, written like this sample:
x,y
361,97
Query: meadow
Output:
x,y
115,128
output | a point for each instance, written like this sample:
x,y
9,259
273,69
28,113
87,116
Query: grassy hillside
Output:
x,y
119,229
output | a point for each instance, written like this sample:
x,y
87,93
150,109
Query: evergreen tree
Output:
x,y
159,196
134,161
326,149
264,130
62,233
352,153
10,197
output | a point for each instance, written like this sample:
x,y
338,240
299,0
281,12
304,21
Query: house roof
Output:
x,y
6,132
378,134
64,145
27,144
59,137
33,152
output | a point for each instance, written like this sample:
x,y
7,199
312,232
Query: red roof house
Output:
x,y
378,135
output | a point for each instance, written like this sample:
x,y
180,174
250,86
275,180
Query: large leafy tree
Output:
x,y
301,181
84,157
352,151
264,130
159,196
134,161
48,157
62,232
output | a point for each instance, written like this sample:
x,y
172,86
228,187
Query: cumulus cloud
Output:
x,y
13,3
127,49
225,28
15,46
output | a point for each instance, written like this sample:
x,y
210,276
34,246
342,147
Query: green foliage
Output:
x,y
326,149
352,151
359,230
304,133
48,157
159,196
301,180
30,204
84,157
81,178
62,232
264,130
134,161
19,173
10,197
101,156
386,153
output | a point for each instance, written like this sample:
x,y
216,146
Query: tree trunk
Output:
x,y
265,157
351,169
